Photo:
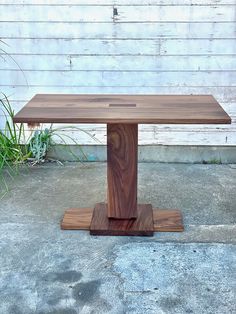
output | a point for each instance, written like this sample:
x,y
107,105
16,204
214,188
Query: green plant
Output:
x,y
12,150
39,144
212,162
16,149
42,140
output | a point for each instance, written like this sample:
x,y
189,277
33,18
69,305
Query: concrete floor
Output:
x,y
47,270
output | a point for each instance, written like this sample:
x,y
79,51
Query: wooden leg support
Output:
x,y
140,226
77,219
148,221
122,215
167,220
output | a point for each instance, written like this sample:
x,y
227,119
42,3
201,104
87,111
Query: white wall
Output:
x,y
152,46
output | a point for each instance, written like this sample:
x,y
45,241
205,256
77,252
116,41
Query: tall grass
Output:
x,y
16,149
13,147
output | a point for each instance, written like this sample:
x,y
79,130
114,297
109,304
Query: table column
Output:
x,y
122,157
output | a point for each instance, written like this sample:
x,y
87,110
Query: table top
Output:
x,y
97,108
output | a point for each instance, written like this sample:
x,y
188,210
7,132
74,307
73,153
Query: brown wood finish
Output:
x,y
166,220
122,113
77,219
80,219
141,226
122,158
171,109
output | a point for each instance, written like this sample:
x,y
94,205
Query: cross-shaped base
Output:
x,y
149,220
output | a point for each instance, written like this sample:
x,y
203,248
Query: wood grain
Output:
x,y
162,109
122,158
167,220
84,219
92,219
77,219
142,226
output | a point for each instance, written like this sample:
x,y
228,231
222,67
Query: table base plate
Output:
x,y
149,220
77,219
167,220
141,226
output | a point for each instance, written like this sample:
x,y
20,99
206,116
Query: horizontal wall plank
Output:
x,y
121,47
197,47
175,13
161,137
230,108
148,13
82,46
141,30
119,63
123,2
221,93
195,138
92,78
64,13
225,138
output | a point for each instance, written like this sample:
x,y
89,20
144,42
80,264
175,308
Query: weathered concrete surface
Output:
x,y
46,270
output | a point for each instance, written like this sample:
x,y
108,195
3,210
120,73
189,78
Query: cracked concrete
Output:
x,y
47,270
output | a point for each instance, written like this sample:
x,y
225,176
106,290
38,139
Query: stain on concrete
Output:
x,y
14,309
86,291
55,299
88,294
64,277
60,311
170,303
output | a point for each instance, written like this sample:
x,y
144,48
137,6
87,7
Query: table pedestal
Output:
x,y
122,215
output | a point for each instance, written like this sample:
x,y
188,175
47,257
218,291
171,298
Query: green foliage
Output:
x,y
212,162
12,152
16,150
42,140
39,144
11,138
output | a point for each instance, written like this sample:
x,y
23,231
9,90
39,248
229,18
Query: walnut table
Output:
x,y
121,215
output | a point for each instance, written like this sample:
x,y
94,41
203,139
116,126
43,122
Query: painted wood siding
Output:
x,y
152,46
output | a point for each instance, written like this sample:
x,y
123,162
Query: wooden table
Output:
x,y
121,215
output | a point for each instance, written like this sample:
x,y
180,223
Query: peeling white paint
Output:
x,y
153,46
